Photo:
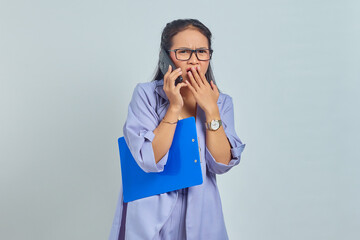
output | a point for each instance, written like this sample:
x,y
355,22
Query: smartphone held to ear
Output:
x,y
165,61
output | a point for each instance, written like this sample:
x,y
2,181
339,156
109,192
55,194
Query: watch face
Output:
x,y
214,124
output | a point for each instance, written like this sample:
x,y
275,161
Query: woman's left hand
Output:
x,y
206,95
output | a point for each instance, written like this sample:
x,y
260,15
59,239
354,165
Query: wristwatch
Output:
x,y
213,125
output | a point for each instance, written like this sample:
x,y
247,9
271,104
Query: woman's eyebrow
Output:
x,y
200,48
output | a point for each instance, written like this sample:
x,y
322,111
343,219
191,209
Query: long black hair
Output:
x,y
176,26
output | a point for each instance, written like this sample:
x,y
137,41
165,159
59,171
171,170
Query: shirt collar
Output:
x,y
159,89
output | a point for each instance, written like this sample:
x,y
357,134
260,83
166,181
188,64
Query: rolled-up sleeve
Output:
x,y
237,147
138,129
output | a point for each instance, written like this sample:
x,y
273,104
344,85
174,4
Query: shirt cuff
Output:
x,y
147,155
220,168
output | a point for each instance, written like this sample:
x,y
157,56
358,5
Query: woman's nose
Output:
x,y
193,59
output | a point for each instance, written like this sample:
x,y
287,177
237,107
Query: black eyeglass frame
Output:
x,y
192,51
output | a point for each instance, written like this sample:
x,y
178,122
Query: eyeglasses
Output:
x,y
184,54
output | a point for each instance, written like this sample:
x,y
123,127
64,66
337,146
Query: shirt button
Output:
x,y
193,140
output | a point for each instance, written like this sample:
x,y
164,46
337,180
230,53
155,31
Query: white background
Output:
x,y
67,72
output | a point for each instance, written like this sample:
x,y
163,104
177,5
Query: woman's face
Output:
x,y
192,39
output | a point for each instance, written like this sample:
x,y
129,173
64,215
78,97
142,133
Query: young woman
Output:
x,y
194,212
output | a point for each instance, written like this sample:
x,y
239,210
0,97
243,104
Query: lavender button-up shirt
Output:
x,y
145,217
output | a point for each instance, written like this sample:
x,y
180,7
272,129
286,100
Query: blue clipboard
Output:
x,y
182,169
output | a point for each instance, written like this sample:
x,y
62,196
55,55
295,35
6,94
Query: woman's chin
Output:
x,y
185,78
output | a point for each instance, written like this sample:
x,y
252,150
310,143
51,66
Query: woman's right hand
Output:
x,y
172,91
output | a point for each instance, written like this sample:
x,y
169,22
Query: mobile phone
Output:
x,y
164,62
